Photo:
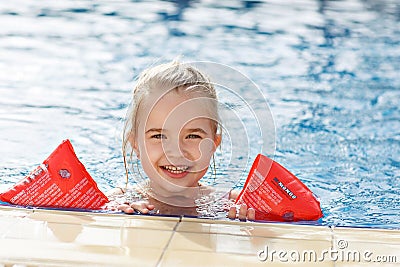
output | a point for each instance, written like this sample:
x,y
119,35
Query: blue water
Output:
x,y
329,69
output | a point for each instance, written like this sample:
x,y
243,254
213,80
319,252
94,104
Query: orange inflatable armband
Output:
x,y
60,182
276,194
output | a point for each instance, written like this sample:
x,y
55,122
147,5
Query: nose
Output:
x,y
175,149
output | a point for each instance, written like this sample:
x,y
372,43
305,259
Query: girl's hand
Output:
x,y
141,206
243,214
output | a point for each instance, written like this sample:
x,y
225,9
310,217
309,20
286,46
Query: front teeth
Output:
x,y
175,169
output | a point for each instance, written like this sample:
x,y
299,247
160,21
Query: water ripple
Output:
x,y
328,69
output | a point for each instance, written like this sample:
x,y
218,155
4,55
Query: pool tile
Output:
x,y
244,240
12,211
280,230
200,258
368,234
229,248
47,237
106,220
227,243
146,238
10,217
37,253
86,229
62,217
367,247
6,224
151,222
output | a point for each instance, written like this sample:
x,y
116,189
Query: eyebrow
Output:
x,y
193,130
158,130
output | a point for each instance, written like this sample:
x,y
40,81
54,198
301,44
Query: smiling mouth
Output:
x,y
175,169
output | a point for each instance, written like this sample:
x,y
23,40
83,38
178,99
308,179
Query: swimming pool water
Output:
x,y
329,70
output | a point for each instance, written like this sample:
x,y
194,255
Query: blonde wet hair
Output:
x,y
175,76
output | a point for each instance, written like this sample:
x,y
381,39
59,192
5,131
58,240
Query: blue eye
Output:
x,y
158,136
193,136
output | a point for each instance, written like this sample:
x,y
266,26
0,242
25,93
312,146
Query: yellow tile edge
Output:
x,y
24,212
207,233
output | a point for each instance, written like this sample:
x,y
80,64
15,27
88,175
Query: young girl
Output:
x,y
173,129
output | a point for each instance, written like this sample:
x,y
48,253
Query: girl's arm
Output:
x,y
141,206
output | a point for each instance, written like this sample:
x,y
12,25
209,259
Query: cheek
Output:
x,y
152,151
202,152
206,147
149,157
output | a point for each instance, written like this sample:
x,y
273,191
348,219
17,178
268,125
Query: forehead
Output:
x,y
176,110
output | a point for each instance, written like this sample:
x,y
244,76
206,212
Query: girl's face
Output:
x,y
175,141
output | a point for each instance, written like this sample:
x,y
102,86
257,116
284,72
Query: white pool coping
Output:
x,y
39,237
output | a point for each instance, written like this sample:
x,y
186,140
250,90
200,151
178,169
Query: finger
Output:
x,y
143,207
140,207
251,214
126,208
232,213
150,206
243,212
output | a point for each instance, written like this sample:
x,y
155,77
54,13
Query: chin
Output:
x,y
176,187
